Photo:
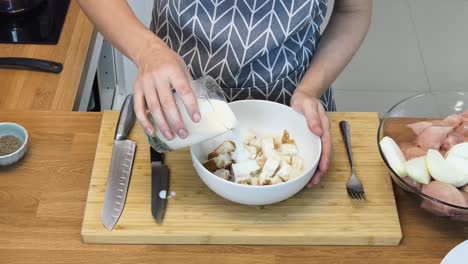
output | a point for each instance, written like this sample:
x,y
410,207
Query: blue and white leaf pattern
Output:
x,y
254,49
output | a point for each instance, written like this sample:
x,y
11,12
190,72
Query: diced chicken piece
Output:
x,y
241,154
293,173
286,158
465,195
288,149
268,145
247,135
244,169
267,181
443,192
226,147
464,188
256,142
273,154
269,169
411,150
432,137
251,151
297,162
210,165
419,127
276,180
285,139
451,121
284,171
464,114
219,162
254,181
244,180
223,174
223,160
261,159
452,139
462,129
277,140
443,152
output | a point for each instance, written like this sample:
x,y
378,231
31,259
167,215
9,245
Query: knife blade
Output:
x,y
159,185
123,154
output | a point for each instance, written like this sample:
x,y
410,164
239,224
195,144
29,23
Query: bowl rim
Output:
x,y
22,145
304,174
380,133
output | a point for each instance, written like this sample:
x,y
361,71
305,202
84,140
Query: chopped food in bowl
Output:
x,y
254,159
424,142
270,156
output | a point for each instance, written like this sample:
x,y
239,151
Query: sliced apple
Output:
x,y
460,149
394,156
417,170
461,165
441,170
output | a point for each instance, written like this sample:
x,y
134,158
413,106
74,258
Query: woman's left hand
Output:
x,y
318,123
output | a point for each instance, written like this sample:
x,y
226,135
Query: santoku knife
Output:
x,y
123,153
159,185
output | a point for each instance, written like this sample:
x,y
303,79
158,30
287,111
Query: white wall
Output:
x,y
413,46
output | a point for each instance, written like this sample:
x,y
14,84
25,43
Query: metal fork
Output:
x,y
354,185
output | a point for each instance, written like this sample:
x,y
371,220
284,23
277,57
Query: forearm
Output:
x,y
115,20
341,39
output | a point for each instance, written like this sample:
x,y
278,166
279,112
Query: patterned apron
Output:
x,y
255,49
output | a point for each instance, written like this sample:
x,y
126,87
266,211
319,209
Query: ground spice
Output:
x,y
9,144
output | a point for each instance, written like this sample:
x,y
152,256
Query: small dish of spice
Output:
x,y
13,143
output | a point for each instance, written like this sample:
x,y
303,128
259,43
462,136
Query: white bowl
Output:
x,y
21,133
263,117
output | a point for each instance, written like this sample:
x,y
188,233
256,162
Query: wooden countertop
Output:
x,y
21,89
42,202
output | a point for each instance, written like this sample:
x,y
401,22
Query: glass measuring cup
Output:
x,y
216,117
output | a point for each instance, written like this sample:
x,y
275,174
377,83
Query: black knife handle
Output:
x,y
159,184
31,64
156,156
126,119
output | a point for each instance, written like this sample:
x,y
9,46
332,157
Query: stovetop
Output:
x,y
41,25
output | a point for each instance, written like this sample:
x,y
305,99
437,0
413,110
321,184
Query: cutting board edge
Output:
x,y
93,171
93,238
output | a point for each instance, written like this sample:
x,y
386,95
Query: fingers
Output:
x,y
139,106
169,107
315,179
326,148
310,111
154,107
182,84
326,140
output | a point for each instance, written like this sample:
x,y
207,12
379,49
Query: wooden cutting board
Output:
x,y
324,215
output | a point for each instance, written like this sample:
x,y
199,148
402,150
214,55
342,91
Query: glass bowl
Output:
x,y
427,106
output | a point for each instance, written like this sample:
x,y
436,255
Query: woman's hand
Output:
x,y
318,123
159,71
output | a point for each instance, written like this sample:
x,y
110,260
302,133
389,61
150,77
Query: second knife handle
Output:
x,y
126,119
345,133
31,64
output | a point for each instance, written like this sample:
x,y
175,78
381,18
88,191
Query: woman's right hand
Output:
x,y
159,71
